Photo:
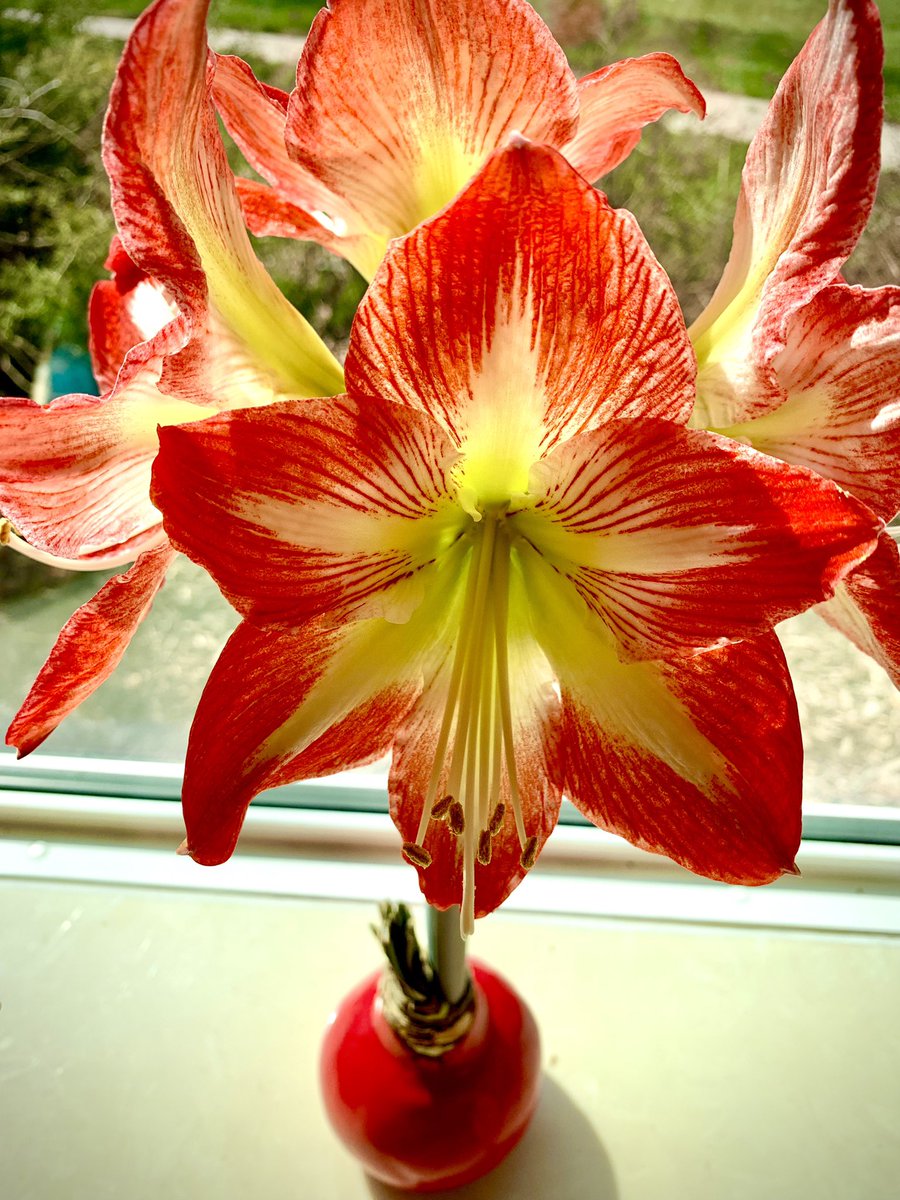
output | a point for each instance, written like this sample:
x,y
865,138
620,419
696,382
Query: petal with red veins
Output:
x,y
297,204
527,312
287,705
88,649
262,677
699,758
680,539
176,208
840,375
100,560
270,214
255,115
616,102
866,607
398,105
808,187
305,508
75,474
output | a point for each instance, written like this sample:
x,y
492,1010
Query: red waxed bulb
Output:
x,y
424,1124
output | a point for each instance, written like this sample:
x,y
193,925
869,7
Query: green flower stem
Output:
x,y
447,952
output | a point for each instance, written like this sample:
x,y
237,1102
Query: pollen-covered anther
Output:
x,y
416,854
5,531
484,847
441,808
496,822
456,818
529,853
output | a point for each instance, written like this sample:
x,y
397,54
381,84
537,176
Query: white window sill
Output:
x,y
160,1021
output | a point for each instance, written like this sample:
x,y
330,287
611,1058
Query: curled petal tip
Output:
x,y
184,849
793,869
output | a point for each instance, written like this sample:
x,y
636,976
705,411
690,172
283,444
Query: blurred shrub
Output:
x,y
55,223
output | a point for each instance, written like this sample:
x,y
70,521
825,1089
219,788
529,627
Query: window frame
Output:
x,y
118,823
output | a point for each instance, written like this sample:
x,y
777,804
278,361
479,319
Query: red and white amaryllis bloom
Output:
x,y
792,360
504,556
398,103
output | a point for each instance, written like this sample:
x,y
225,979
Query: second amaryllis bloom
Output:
x,y
792,359
504,557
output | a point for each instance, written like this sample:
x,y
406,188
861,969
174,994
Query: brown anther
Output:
x,y
5,531
484,847
456,818
529,853
441,807
416,854
497,819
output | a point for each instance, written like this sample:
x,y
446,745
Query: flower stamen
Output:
x,y
484,847
478,718
416,854
501,626
441,808
529,853
470,604
456,818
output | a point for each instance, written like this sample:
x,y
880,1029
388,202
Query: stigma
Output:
x,y
475,751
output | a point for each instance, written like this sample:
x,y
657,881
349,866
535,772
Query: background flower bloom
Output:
x,y
791,359
509,498
397,105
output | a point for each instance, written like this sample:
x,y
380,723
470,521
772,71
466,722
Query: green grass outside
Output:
x,y
716,43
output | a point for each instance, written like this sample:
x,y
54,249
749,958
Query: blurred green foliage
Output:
x,y
273,16
55,223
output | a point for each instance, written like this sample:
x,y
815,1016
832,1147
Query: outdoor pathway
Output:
x,y
728,115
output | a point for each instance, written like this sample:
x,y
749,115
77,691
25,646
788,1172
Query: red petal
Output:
x,y
616,102
254,114
270,214
528,306
679,538
287,705
700,760
866,607
304,508
88,649
398,105
840,374
176,207
262,678
807,191
75,475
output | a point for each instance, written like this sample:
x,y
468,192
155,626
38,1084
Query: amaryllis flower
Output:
x,y
398,104
192,318
189,325
503,556
792,360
